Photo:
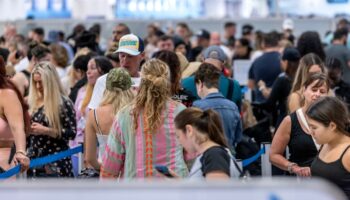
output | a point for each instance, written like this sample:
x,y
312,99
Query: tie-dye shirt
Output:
x,y
133,154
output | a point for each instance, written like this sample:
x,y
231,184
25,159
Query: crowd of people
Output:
x,y
172,100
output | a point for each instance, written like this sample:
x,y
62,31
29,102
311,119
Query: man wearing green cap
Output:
x,y
131,53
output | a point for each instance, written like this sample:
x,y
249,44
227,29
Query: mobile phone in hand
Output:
x,y
163,170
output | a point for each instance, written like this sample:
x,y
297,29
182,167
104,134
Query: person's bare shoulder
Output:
x,y
19,76
8,97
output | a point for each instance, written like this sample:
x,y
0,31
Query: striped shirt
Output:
x,y
133,154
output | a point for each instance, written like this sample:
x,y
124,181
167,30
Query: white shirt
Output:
x,y
22,65
100,87
61,72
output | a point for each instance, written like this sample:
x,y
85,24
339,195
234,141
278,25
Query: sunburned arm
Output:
x,y
90,143
14,115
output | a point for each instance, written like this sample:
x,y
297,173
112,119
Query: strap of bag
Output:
x,y
230,89
240,171
303,120
97,124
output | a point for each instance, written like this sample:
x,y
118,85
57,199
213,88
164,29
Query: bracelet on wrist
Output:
x,y
290,167
21,152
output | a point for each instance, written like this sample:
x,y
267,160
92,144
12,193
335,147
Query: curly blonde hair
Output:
x,y
153,94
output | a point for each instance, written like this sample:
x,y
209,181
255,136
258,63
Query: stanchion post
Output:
x,y
266,169
21,176
80,162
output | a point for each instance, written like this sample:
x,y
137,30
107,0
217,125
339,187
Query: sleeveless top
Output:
x,y
301,145
5,132
333,171
101,138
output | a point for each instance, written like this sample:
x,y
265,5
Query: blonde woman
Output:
x,y
310,63
52,121
99,122
143,133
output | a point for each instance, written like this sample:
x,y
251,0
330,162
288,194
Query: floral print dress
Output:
x,y
43,145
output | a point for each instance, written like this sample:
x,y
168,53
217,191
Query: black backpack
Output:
x,y
245,149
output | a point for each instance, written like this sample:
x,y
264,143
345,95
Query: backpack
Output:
x,y
245,149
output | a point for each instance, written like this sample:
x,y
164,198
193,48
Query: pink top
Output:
x,y
5,132
80,118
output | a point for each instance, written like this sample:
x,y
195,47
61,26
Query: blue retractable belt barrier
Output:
x,y
250,160
42,161
52,158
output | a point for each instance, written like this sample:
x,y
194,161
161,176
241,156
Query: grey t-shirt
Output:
x,y
342,53
214,158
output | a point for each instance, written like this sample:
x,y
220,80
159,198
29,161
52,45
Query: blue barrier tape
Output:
x,y
252,159
52,158
42,161
10,172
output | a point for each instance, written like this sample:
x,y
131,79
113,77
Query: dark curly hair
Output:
x,y
310,42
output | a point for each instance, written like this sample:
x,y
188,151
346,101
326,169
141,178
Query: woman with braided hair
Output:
x,y
143,133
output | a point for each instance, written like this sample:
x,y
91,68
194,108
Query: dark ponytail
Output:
x,y
207,122
330,109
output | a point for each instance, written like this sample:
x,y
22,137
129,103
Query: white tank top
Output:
x,y
101,138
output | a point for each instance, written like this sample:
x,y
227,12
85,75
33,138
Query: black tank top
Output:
x,y
333,171
301,145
